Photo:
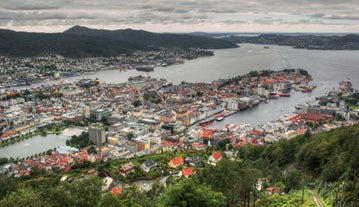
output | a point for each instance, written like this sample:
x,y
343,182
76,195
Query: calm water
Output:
x,y
326,67
34,145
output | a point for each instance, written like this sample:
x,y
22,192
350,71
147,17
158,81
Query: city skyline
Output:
x,y
182,16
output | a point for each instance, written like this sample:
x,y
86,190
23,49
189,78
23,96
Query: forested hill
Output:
x,y
346,42
142,37
84,42
327,162
33,44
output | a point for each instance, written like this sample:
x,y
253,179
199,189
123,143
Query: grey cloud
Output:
x,y
28,5
264,12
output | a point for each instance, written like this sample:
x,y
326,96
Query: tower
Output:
x,y
97,135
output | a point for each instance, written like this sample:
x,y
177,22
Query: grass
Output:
x,y
293,198
354,107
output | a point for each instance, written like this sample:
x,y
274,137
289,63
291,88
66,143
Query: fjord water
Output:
x,y
326,67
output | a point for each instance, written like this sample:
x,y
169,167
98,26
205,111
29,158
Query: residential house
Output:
x,y
195,161
176,162
127,168
214,158
186,172
149,165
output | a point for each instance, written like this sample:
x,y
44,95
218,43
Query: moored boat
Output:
x,y
206,122
145,69
307,90
219,117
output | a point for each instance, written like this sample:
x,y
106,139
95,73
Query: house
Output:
x,y
194,161
186,172
273,190
149,165
214,158
176,162
108,181
127,168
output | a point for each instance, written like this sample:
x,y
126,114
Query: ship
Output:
x,y
219,117
284,94
206,122
307,90
145,68
300,106
242,106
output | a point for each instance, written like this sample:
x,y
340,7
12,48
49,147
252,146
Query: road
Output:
x,y
317,199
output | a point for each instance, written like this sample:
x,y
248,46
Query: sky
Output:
x,y
182,15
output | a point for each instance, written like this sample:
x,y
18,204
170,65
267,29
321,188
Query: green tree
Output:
x,y
91,150
292,180
130,136
110,200
137,103
23,197
8,185
191,193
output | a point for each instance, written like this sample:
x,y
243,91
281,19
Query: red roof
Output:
x,y
217,156
177,161
116,191
313,117
187,172
67,168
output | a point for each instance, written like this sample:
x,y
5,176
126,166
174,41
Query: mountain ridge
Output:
x,y
152,39
80,42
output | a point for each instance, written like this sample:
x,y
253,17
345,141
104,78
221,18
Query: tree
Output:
x,y
8,185
3,160
110,200
307,133
137,103
130,136
91,150
23,197
190,192
87,191
292,180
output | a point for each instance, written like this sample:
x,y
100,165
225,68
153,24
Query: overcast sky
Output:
x,y
182,15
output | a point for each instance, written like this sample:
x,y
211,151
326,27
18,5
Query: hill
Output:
x,y
346,42
151,39
326,162
33,44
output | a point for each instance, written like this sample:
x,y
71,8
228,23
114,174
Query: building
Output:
x,y
195,161
99,114
176,162
186,172
127,168
143,143
97,135
149,165
214,158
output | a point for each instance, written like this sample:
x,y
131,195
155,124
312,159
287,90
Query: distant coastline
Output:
x,y
311,42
